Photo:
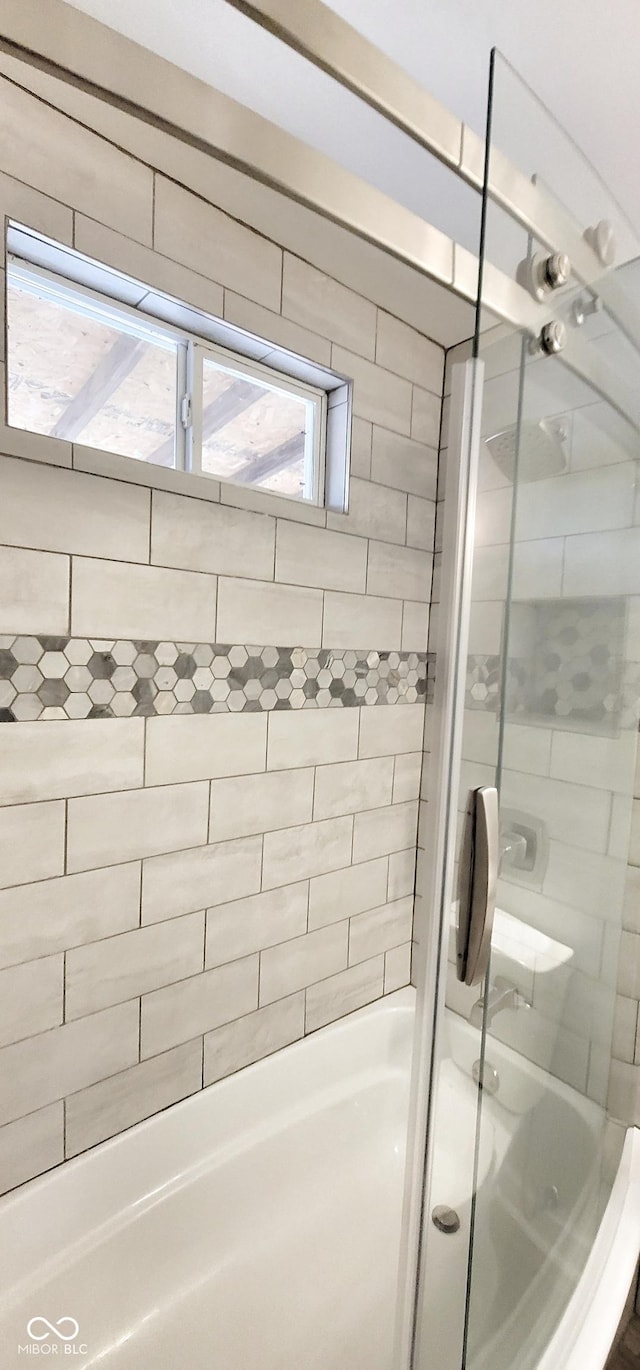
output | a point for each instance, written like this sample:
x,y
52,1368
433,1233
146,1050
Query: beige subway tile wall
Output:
x,y
181,895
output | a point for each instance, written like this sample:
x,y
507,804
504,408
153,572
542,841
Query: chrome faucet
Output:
x,y
502,994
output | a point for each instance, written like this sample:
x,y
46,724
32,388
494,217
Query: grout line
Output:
x,y
152,494
65,846
153,209
140,923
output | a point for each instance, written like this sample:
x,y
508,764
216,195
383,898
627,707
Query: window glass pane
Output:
x,y
256,434
76,375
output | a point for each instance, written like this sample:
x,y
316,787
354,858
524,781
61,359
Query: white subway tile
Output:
x,y
350,786
490,568
35,591
380,929
493,517
311,737
623,1095
360,457
30,998
404,464
28,206
583,502
276,799
402,873
119,827
624,1029
31,1145
629,967
256,611
124,967
118,599
335,896
603,563
377,511
377,394
300,962
262,502
183,882
361,621
202,746
179,1012
399,572
320,303
577,814
191,231
341,994
388,730
238,1044
201,536
634,837
86,171
273,328
262,920
297,853
382,831
53,915
146,265
537,569
485,628
56,510
112,1105
425,416
527,749
605,762
631,905
42,1069
579,931
421,523
402,349
586,880
31,842
397,968
51,760
314,556
415,626
406,777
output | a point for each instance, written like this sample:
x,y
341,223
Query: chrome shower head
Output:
x,y
541,453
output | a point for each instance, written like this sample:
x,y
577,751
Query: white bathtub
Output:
x,y
255,1226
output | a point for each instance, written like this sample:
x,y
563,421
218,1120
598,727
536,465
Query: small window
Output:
x,y
89,370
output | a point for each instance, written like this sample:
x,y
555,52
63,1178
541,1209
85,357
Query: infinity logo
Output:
x,y
56,1328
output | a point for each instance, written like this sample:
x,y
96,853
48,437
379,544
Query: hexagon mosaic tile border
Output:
x,y
71,677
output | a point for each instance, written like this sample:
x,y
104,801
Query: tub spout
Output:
x,y
502,994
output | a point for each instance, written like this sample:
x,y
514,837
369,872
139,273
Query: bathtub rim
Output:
x,y
584,1337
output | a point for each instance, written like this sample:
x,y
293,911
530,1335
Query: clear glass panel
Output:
x,y
551,717
256,434
73,372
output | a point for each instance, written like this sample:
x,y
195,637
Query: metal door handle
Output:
x,y
478,883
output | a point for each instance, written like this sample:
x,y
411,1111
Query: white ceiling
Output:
x,y
581,58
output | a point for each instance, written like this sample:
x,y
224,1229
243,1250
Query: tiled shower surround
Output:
x,y
207,846
59,677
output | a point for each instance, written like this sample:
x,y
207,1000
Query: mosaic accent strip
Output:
x,y
566,667
574,702
72,677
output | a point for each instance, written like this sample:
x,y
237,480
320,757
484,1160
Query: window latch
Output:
x,y
186,415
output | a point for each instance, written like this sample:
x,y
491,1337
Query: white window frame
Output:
x,y
191,353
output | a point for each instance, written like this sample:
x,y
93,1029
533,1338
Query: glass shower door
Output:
x,y
528,1119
